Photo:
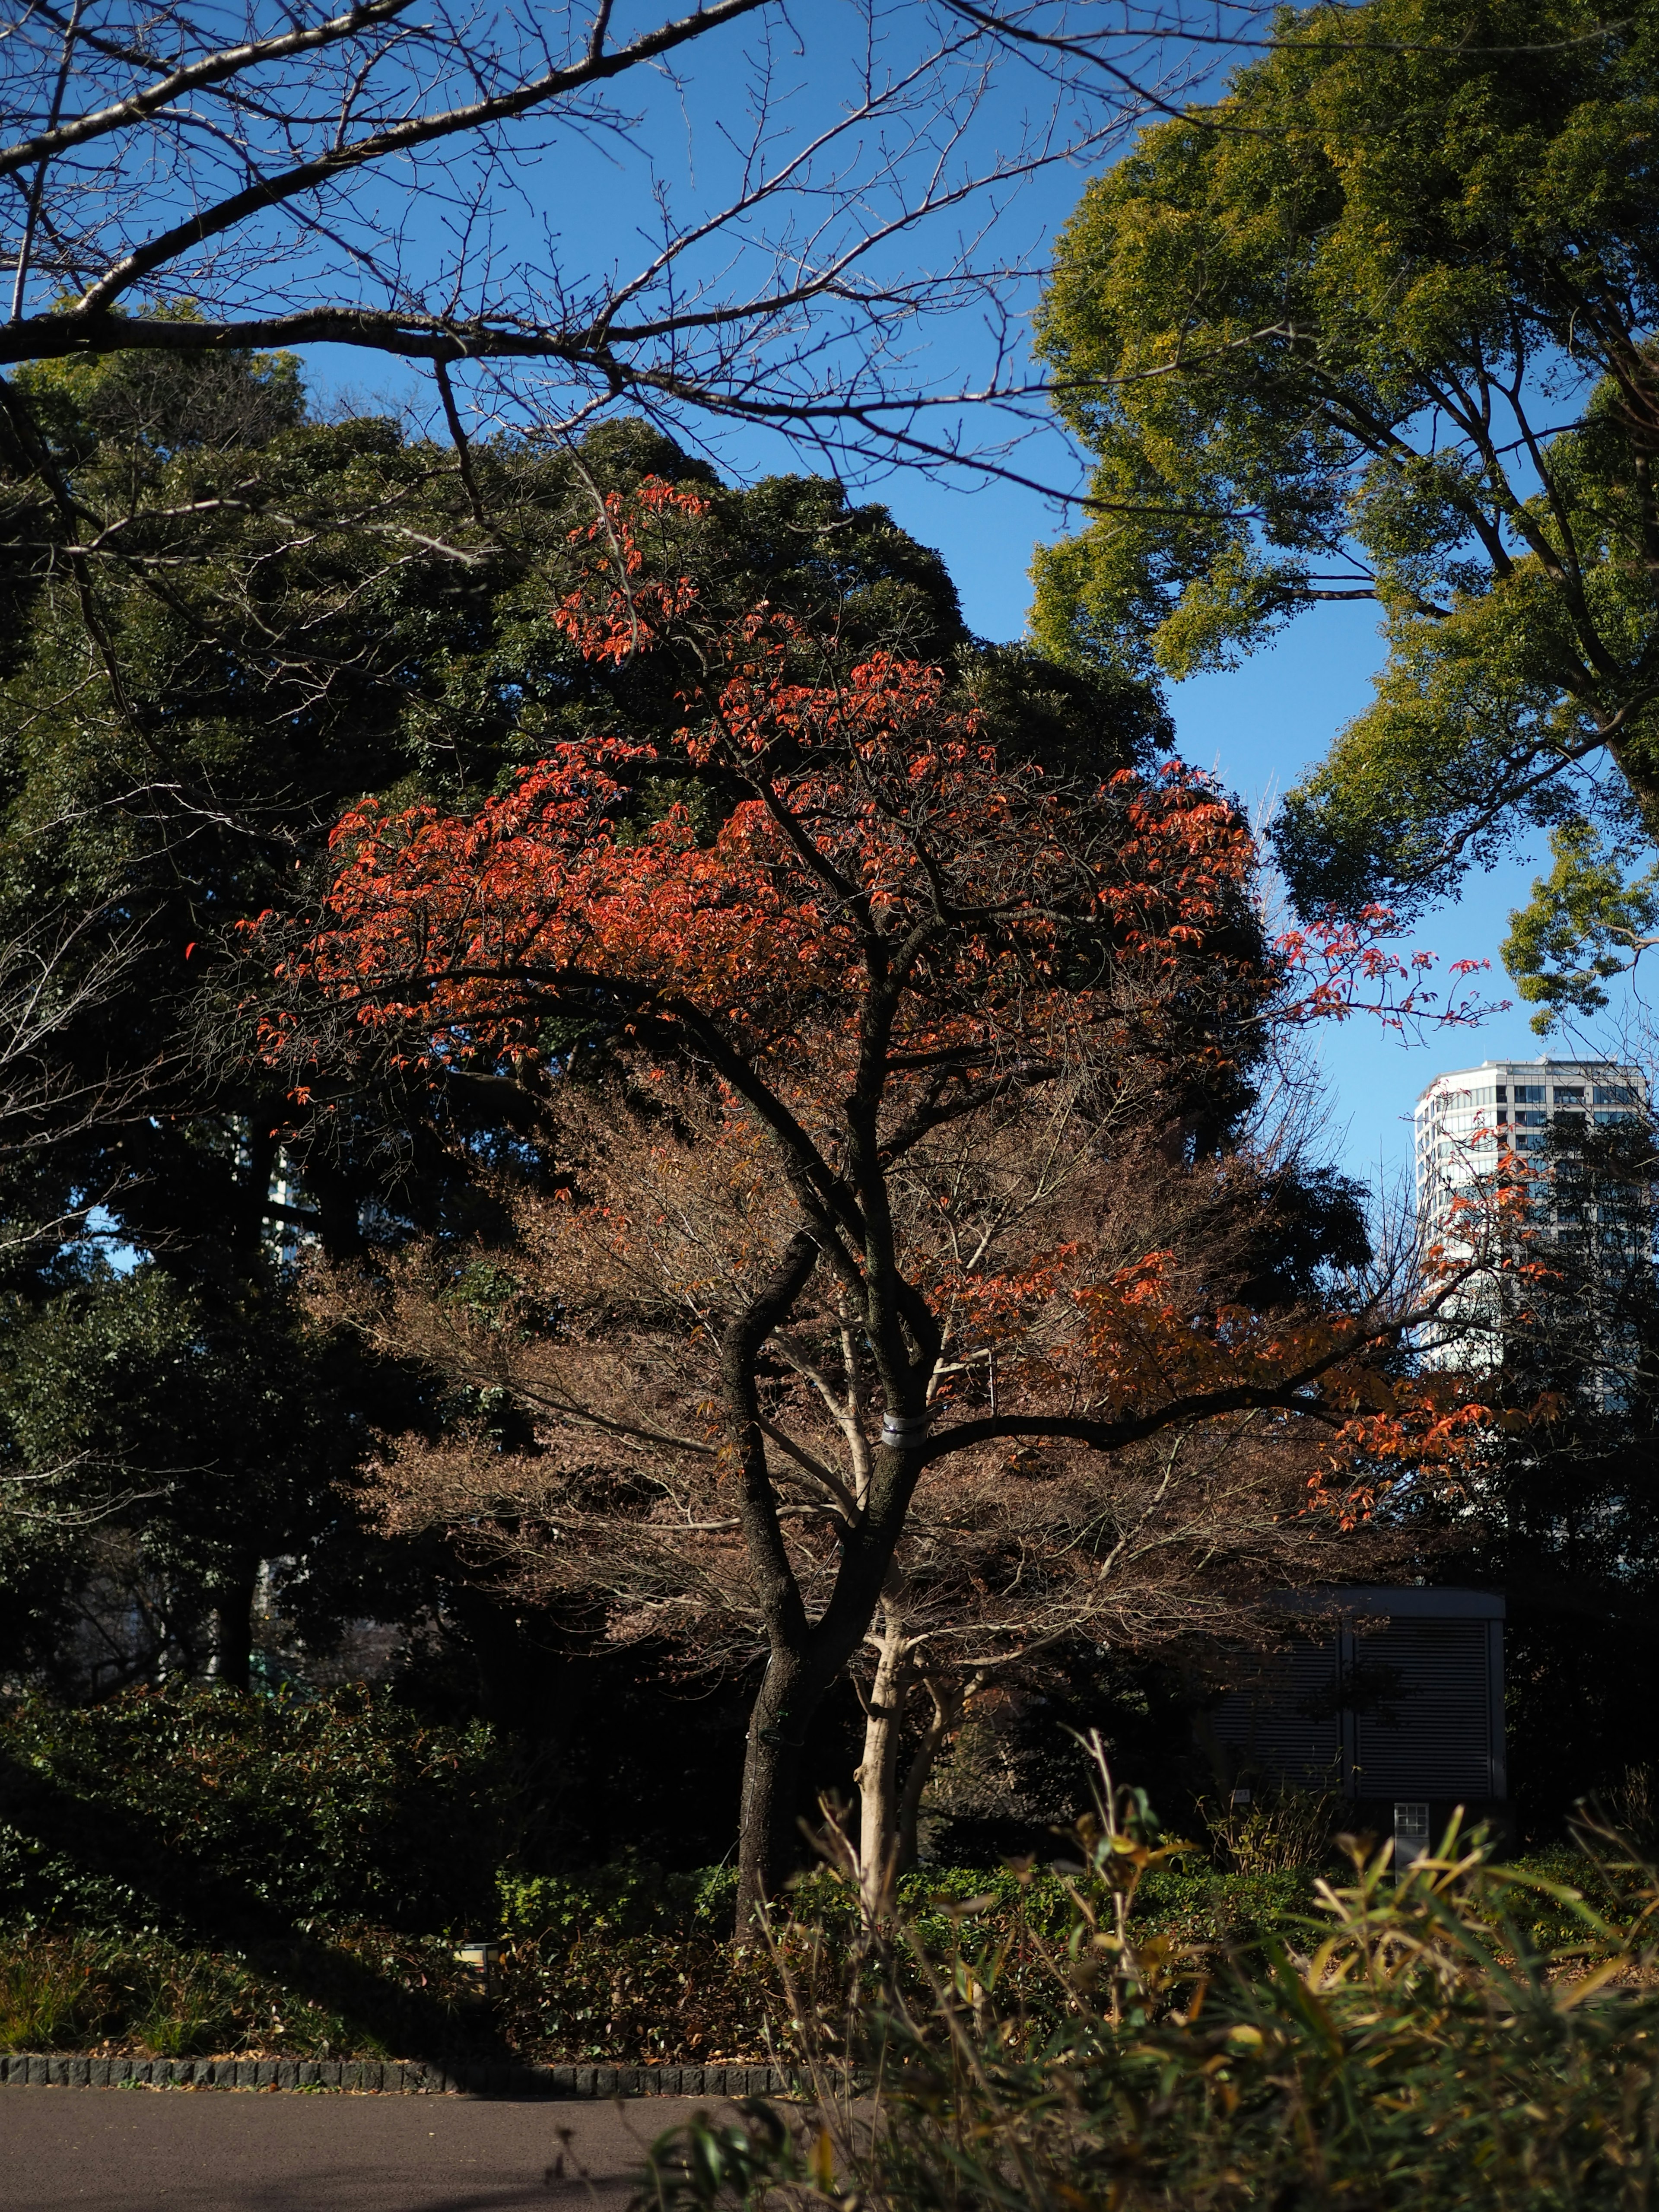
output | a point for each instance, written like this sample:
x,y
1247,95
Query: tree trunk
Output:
x,y
232,1630
877,1774
796,1684
771,1778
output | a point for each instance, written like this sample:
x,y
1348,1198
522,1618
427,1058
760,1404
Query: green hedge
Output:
x,y
362,1993
201,1811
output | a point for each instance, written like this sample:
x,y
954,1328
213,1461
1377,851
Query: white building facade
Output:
x,y
1467,1123
1472,1120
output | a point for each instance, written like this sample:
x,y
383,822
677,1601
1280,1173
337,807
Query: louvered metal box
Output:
x,y
1383,1695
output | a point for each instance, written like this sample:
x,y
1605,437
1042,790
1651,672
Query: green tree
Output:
x,y
1379,325
229,621
221,1430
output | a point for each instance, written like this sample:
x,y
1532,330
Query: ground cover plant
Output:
x,y
1461,2032
197,1873
261,1829
630,1964
147,1994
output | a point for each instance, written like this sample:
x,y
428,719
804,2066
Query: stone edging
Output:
x,y
405,2078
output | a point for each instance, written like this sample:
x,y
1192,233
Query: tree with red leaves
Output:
x,y
823,969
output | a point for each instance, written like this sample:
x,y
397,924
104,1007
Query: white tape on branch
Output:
x,y
899,1430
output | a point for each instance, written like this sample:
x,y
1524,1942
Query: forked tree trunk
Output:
x,y
795,1686
768,1836
807,1657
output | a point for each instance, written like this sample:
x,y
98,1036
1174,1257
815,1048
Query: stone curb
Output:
x,y
403,2078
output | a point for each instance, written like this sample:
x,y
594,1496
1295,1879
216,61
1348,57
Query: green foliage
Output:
x,y
204,1811
649,1999
1379,323
743,2161
78,1992
227,620
1587,921
1471,2035
630,1897
1196,1905
153,406
631,1963
219,1422
636,1897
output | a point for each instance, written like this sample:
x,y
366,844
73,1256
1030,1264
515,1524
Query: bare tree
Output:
x,y
606,1320
401,183
1001,1568
1180,1543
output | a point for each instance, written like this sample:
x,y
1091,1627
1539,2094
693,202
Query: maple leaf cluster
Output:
x,y
852,807
1013,906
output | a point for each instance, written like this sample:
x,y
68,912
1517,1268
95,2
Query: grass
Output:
x,y
61,1993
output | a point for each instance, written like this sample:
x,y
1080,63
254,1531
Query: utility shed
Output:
x,y
1391,1697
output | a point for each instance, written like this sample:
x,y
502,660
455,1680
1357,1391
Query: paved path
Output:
x,y
182,2150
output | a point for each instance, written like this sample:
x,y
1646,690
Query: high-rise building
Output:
x,y
1469,1122
1473,1121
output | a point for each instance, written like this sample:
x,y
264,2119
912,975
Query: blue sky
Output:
x,y
1259,728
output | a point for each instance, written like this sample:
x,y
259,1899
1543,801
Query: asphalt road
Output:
x,y
179,2150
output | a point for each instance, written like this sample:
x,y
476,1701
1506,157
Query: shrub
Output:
x,y
1278,1831
85,1993
632,1896
631,1965
200,1810
1413,2046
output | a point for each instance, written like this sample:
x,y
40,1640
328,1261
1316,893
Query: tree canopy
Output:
x,y
1379,325
229,620
868,997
